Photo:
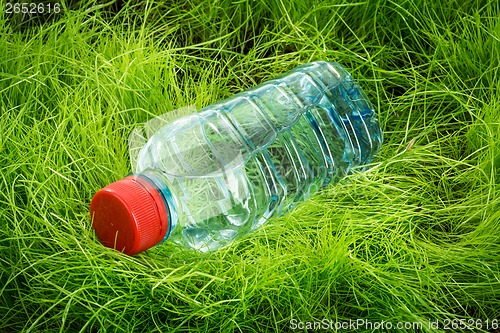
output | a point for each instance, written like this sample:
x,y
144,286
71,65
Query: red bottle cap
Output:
x,y
129,215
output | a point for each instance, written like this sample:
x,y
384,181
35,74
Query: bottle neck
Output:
x,y
167,197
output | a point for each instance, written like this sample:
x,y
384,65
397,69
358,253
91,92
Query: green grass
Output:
x,y
415,238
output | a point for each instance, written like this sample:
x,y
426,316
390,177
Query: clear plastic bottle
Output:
x,y
206,178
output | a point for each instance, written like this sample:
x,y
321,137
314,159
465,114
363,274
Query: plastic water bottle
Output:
x,y
207,178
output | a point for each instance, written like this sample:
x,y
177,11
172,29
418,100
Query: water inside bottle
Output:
x,y
242,160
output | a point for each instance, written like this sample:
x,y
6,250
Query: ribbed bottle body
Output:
x,y
238,162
